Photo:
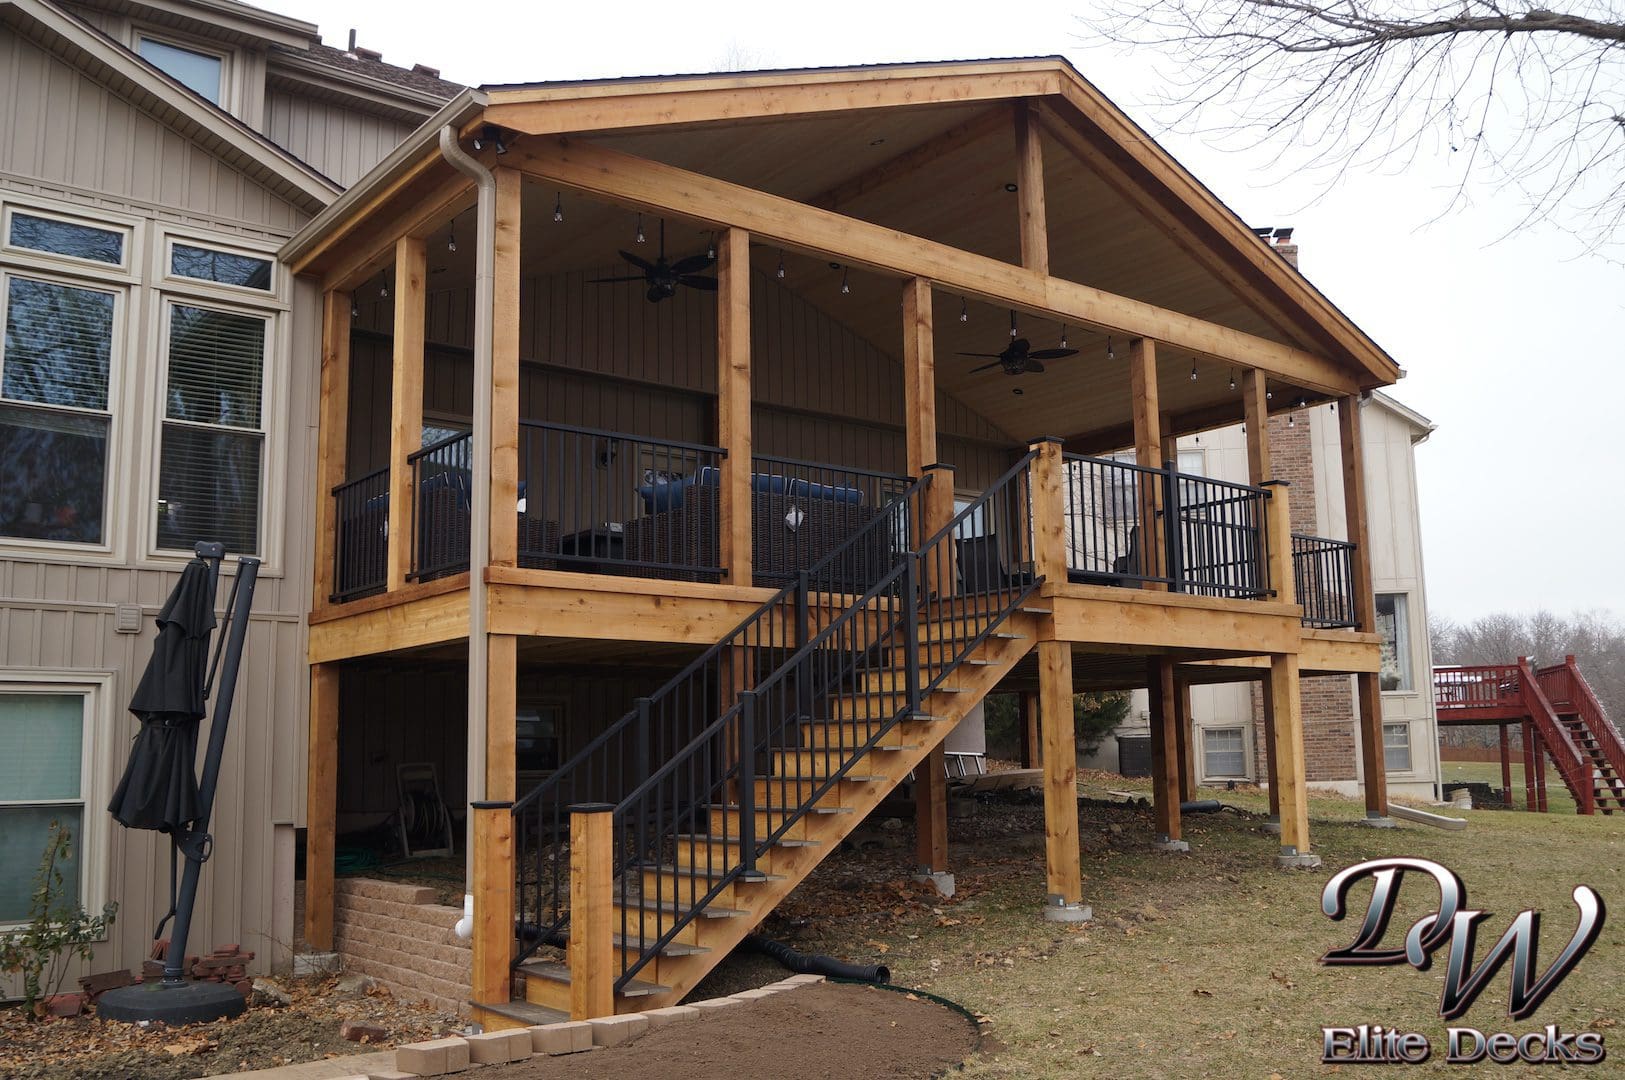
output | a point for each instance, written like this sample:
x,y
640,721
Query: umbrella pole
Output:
x,y
197,844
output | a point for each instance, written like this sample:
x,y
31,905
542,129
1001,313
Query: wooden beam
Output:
x,y
505,371
1165,755
733,401
1048,511
592,896
919,376
406,400
1062,858
501,717
931,812
1369,690
1282,685
355,251
1107,619
668,102
1256,415
321,805
332,432
1142,361
659,188
1030,190
424,616
493,902
912,161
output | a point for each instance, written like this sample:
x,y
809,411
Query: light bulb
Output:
x,y
1193,372
640,237
846,286
355,308
451,229
1063,335
964,310
1291,419
558,206
711,246
1232,380
1110,353
781,264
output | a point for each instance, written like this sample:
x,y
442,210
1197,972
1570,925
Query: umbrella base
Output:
x,y
171,1003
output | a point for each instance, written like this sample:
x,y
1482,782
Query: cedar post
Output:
x,y
1187,751
733,401
493,902
406,400
331,435
1030,190
1289,766
321,805
1255,410
1027,716
1049,515
505,370
1278,539
1142,363
1268,700
592,893
919,376
1164,754
1062,860
931,814
1369,691
501,716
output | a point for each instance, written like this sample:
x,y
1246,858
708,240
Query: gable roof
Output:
x,y
185,112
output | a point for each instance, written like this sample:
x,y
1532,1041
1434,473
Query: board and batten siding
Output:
x,y
69,144
340,142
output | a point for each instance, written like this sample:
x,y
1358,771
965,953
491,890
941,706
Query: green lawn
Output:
x,y
1206,965
1558,799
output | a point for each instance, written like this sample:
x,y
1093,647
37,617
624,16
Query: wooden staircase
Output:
x,y
1587,727
820,705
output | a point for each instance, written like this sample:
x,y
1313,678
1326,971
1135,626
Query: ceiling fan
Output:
x,y
664,277
1019,357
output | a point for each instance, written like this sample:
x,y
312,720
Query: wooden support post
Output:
x,y
501,717
1278,539
1255,410
592,894
1030,190
931,813
1529,753
1270,775
505,372
1031,740
406,400
1374,766
1062,858
919,376
1506,767
332,434
1185,726
1289,764
321,806
942,568
1165,755
1540,771
1148,452
493,902
733,401
1049,511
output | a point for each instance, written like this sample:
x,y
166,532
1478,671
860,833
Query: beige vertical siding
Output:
x,y
341,142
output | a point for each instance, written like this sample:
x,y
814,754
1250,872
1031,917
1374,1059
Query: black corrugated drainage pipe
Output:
x,y
805,964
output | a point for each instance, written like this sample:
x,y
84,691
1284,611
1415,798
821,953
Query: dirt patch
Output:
x,y
815,1032
307,1029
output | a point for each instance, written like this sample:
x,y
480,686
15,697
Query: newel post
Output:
x,y
1278,541
1049,510
592,892
493,902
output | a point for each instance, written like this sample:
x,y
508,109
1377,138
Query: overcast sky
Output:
x,y
1513,347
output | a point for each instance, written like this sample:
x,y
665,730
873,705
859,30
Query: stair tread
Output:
x,y
780,808
555,972
527,1013
708,872
672,948
733,841
672,907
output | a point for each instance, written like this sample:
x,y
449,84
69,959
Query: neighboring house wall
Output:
x,y
340,140
1308,454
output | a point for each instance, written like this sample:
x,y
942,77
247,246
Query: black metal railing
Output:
x,y
1213,535
803,510
361,536
1323,575
624,755
443,480
610,502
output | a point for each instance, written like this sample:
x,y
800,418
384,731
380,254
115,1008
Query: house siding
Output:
x,y
341,142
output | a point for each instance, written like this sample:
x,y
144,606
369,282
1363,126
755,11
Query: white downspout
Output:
x,y
479,529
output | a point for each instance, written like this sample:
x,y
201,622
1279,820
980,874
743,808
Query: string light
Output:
x,y
640,237
711,246
780,270
846,285
1232,378
451,227
964,310
1193,371
1013,331
383,285
1063,335
355,307
558,206
1111,354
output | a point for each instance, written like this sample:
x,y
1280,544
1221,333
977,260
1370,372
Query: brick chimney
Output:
x,y
1285,246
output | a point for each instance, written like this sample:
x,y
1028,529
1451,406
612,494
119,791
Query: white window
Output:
x,y
66,237
1224,752
199,72
46,776
220,267
1394,626
1193,462
212,444
56,371
1396,747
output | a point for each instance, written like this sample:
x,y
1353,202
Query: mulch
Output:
x,y
826,1031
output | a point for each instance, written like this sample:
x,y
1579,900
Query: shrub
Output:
x,y
42,950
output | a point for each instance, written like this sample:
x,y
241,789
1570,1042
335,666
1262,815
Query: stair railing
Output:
x,y
1564,683
1572,764
660,728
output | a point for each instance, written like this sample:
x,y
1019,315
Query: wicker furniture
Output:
x,y
443,535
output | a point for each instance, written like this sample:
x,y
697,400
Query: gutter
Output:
x,y
401,160
479,528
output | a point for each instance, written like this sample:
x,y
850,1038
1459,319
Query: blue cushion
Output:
x,y
828,492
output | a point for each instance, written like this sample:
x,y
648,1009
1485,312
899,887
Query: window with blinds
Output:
x,y
213,442
1223,753
42,737
1396,747
55,368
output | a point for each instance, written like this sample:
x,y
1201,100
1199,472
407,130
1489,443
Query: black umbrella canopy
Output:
x,y
159,789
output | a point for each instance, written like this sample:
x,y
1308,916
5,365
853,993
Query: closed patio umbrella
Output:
x,y
159,789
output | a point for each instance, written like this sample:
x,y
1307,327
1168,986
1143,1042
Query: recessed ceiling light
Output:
x,y
834,266
1017,391
877,142
1010,187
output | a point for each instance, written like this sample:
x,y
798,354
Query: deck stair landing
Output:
x,y
813,719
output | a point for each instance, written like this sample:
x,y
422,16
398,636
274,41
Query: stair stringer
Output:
x,y
1573,766
789,866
